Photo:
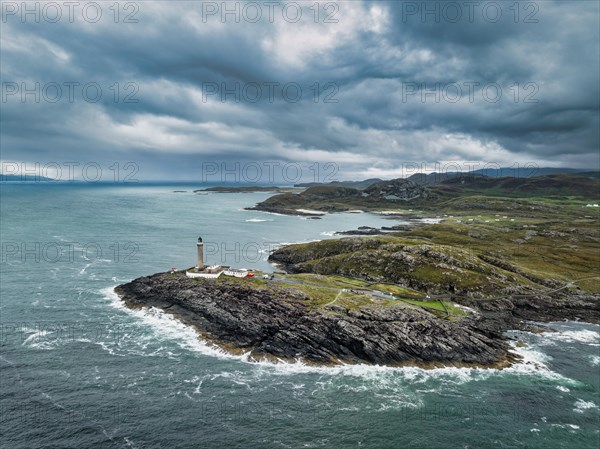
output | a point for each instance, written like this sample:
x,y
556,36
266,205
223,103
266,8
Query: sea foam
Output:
x,y
533,363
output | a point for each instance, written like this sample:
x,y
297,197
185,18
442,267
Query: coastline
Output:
x,y
531,362
260,328
525,360
278,325
281,324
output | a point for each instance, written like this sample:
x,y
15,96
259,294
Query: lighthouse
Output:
x,y
201,270
200,247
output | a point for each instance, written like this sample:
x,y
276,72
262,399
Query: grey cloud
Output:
x,y
171,55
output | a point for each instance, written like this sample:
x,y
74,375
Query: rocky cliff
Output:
x,y
279,322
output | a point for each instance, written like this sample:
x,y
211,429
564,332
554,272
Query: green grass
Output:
x,y
436,305
395,290
552,241
320,296
327,281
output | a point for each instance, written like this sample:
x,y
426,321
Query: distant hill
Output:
x,y
401,192
436,178
360,185
507,172
397,190
526,172
243,189
588,174
563,185
335,198
24,178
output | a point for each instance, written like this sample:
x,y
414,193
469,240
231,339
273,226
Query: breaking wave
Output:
x,y
534,362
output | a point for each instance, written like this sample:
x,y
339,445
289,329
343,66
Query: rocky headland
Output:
x,y
280,323
275,321
428,192
440,294
340,198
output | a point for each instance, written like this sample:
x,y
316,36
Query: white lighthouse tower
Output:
x,y
203,271
200,247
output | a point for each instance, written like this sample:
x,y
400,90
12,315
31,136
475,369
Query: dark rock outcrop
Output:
x,y
397,190
362,230
279,322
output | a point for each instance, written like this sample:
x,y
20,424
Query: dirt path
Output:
x,y
334,300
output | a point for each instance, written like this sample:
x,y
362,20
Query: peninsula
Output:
x,y
439,294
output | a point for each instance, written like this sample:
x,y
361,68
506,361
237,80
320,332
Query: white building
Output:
x,y
213,271
242,273
201,270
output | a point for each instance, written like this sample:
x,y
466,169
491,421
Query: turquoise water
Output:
x,y
80,371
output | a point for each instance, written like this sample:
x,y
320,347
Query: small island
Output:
x,y
246,189
481,262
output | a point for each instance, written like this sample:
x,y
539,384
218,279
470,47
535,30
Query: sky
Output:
x,y
311,91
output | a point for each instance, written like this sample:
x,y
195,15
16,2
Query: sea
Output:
x,y
79,370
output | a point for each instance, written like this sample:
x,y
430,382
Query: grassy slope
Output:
x,y
483,246
498,236
321,291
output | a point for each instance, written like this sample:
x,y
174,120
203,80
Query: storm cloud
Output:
x,y
369,86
